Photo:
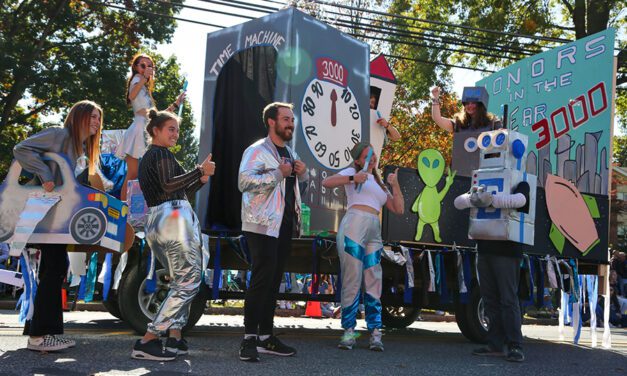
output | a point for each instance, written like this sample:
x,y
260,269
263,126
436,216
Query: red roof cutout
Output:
x,y
380,68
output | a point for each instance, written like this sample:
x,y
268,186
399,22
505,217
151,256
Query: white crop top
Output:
x,y
143,99
371,194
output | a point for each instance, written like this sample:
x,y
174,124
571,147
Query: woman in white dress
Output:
x,y
139,89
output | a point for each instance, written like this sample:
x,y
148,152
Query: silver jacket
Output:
x,y
53,139
263,189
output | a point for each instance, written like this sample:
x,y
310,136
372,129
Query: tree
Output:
x,y
423,33
167,87
58,52
619,149
418,131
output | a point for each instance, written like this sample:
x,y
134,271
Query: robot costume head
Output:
x,y
477,94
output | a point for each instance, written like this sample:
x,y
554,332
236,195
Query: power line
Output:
x,y
444,38
153,14
404,34
242,5
433,63
213,11
147,13
404,42
428,46
505,33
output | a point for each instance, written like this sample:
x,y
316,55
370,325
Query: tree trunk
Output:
x,y
579,19
598,16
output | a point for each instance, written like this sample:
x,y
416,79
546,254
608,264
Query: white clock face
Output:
x,y
331,123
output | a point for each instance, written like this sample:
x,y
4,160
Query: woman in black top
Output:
x,y
172,232
474,115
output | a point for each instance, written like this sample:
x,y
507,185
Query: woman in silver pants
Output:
x,y
173,234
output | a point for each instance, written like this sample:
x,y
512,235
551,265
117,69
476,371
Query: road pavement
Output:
x,y
425,348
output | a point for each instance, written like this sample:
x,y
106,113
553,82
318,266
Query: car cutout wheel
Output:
x,y
88,226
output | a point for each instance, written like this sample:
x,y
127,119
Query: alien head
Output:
x,y
430,166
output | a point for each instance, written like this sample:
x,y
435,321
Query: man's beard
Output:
x,y
284,134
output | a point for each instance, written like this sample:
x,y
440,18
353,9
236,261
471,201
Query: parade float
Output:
x,y
557,109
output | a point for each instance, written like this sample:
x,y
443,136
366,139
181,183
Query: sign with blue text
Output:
x,y
562,99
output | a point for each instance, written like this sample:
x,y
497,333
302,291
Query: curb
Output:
x,y
296,312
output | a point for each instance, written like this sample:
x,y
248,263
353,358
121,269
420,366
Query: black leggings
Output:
x,y
48,313
268,263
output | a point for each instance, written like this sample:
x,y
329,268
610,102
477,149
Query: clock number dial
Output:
x,y
355,137
330,116
316,88
321,149
309,106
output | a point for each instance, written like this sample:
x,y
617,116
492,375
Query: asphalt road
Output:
x,y
425,348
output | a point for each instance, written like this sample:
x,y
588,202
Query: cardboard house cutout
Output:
x,y
291,57
382,89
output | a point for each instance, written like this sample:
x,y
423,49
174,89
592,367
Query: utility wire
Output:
x,y
432,62
242,5
406,43
505,33
445,38
385,30
153,14
428,39
382,29
213,11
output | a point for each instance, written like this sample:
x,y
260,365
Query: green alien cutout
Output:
x,y
427,205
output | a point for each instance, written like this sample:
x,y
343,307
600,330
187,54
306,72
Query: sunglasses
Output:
x,y
144,66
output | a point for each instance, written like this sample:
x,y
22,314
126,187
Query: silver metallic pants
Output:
x,y
359,247
173,234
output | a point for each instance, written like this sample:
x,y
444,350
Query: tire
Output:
x,y
88,226
139,308
112,305
399,317
470,317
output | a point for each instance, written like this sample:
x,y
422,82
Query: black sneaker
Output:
x,y
177,346
487,351
272,345
515,354
151,350
248,350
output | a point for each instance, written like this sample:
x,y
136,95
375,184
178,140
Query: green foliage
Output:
x,y
619,150
567,19
168,85
56,53
621,109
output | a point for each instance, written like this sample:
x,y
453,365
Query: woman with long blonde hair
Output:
x,y
359,242
139,88
79,140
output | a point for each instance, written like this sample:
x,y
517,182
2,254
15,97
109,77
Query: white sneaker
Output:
x,y
348,340
375,340
46,343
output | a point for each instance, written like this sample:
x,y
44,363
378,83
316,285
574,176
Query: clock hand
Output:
x,y
333,108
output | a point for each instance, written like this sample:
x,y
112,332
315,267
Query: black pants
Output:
x,y
48,311
499,277
268,263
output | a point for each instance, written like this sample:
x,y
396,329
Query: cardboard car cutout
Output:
x,y
84,216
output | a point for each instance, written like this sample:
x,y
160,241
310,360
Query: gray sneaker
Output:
x,y
375,340
348,340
